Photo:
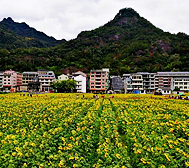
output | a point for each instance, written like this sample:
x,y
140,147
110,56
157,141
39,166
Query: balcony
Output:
x,y
137,84
137,88
146,85
137,79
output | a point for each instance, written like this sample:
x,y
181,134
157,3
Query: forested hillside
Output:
x,y
19,35
128,43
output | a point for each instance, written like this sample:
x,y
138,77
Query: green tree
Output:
x,y
64,86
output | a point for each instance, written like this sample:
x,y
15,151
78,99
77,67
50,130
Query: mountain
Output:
x,y
20,35
128,43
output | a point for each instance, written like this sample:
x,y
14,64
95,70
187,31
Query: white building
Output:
x,y
148,81
173,80
46,78
181,83
81,80
137,81
63,77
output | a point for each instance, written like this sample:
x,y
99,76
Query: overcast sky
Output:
x,y
67,18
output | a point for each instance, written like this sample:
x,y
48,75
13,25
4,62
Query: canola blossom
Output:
x,y
62,130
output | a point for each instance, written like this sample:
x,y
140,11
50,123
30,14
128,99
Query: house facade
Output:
x,y
63,77
148,81
137,82
46,78
99,80
12,80
117,84
27,79
81,81
181,83
172,80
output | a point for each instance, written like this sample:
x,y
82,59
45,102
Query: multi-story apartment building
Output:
x,y
163,80
117,84
148,81
172,80
99,80
1,80
145,82
181,83
46,78
27,79
81,80
12,80
137,81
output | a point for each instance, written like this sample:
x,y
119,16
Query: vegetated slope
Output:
x,y
128,43
20,35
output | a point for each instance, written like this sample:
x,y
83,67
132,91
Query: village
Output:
x,y
98,81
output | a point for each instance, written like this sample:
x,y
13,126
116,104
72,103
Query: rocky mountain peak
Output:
x,y
126,12
8,20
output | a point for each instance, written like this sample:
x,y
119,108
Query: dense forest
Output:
x,y
128,43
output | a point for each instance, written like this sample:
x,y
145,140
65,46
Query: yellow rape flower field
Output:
x,y
61,130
